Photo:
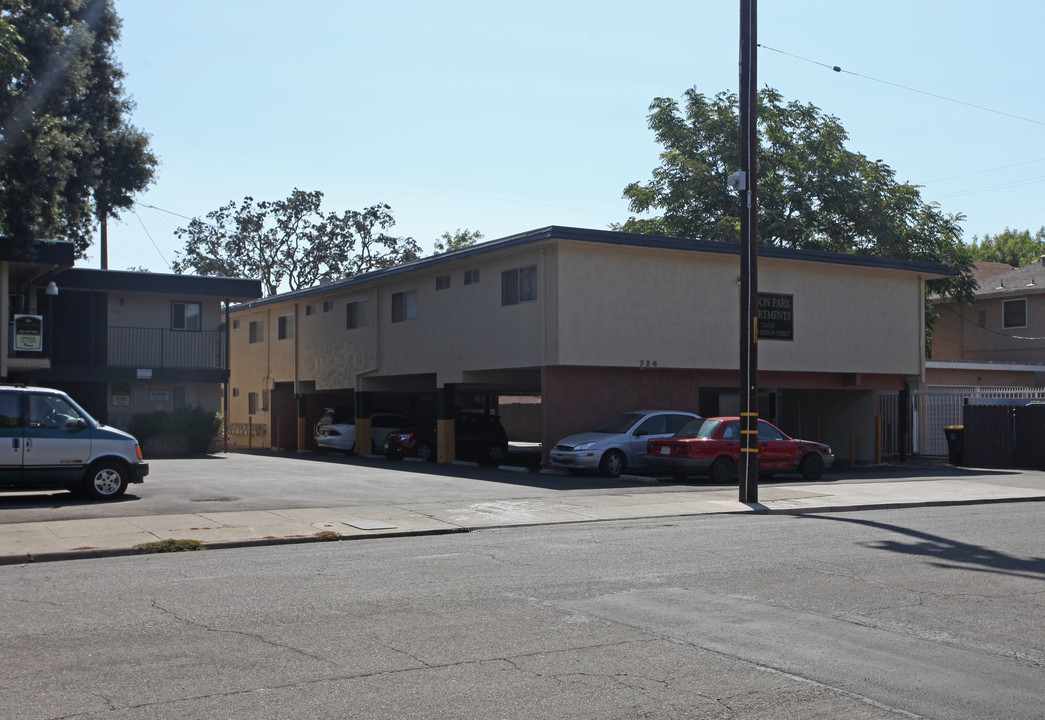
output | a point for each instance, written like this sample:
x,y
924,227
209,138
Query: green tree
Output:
x,y
456,240
291,242
813,192
68,154
1017,248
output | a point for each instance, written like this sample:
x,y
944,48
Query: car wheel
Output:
x,y
105,480
425,451
613,463
812,467
495,453
721,471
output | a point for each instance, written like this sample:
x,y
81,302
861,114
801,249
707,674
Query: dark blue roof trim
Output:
x,y
558,232
238,289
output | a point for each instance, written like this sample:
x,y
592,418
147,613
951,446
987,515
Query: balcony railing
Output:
x,y
82,345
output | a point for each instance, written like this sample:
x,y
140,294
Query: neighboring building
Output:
x,y
592,323
1002,331
120,343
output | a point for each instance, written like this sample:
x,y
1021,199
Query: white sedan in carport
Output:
x,y
619,444
342,435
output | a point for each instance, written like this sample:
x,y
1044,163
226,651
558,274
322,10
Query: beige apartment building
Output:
x,y
583,324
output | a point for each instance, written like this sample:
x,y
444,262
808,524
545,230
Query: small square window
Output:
x,y
471,277
309,309
286,327
519,285
442,282
328,305
257,331
185,315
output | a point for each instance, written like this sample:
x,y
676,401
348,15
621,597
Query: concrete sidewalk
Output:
x,y
92,538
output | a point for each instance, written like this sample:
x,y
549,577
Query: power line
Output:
x,y
837,69
150,236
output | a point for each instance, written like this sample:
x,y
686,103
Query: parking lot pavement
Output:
x,y
298,499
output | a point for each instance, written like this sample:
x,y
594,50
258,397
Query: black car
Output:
x,y
477,437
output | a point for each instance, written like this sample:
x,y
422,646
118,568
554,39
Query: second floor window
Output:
x,y
471,277
519,285
404,306
185,316
257,331
286,327
355,314
1014,313
442,282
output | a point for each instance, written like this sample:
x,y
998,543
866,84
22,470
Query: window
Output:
x,y
286,327
442,282
185,315
51,412
1014,313
235,324
518,286
355,314
257,331
235,392
404,306
328,305
309,310
471,277
10,410
252,403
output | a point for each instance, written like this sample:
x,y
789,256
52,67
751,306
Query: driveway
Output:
x,y
273,481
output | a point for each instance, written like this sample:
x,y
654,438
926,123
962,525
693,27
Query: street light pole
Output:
x,y
748,469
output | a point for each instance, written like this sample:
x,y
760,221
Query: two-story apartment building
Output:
x,y
592,323
121,343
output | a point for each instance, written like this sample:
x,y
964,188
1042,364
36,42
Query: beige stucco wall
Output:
x,y
623,306
147,310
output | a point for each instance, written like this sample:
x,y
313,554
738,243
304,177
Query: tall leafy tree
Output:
x,y
68,153
456,240
813,192
291,242
1015,247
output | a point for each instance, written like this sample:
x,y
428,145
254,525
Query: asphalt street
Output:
x,y
914,613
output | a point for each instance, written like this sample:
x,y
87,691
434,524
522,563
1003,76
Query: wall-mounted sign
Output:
x,y
121,394
776,316
29,332
159,394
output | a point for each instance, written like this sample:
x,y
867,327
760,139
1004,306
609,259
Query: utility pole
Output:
x,y
748,469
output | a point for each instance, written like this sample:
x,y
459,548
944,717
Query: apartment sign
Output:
x,y
776,316
29,332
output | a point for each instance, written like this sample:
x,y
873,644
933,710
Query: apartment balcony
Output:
x,y
126,347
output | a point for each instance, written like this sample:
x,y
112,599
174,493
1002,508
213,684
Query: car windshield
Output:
x,y
693,429
620,424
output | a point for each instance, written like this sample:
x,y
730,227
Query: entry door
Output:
x,y
57,441
12,440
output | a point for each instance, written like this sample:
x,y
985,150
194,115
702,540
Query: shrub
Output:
x,y
194,426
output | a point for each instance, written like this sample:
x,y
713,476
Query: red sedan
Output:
x,y
712,446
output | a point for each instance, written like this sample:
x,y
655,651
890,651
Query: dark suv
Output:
x,y
477,437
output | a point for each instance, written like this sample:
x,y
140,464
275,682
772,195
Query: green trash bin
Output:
x,y
955,444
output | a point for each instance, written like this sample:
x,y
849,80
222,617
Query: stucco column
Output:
x,y
364,410
444,424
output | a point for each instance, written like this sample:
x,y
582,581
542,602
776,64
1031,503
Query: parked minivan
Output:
x,y
47,441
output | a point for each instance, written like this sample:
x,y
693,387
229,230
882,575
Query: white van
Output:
x,y
47,440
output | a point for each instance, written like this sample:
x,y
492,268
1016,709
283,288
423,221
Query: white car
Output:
x,y
336,433
619,444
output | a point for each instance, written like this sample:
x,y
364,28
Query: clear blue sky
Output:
x,y
503,118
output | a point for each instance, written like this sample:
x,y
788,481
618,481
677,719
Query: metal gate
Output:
x,y
934,408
